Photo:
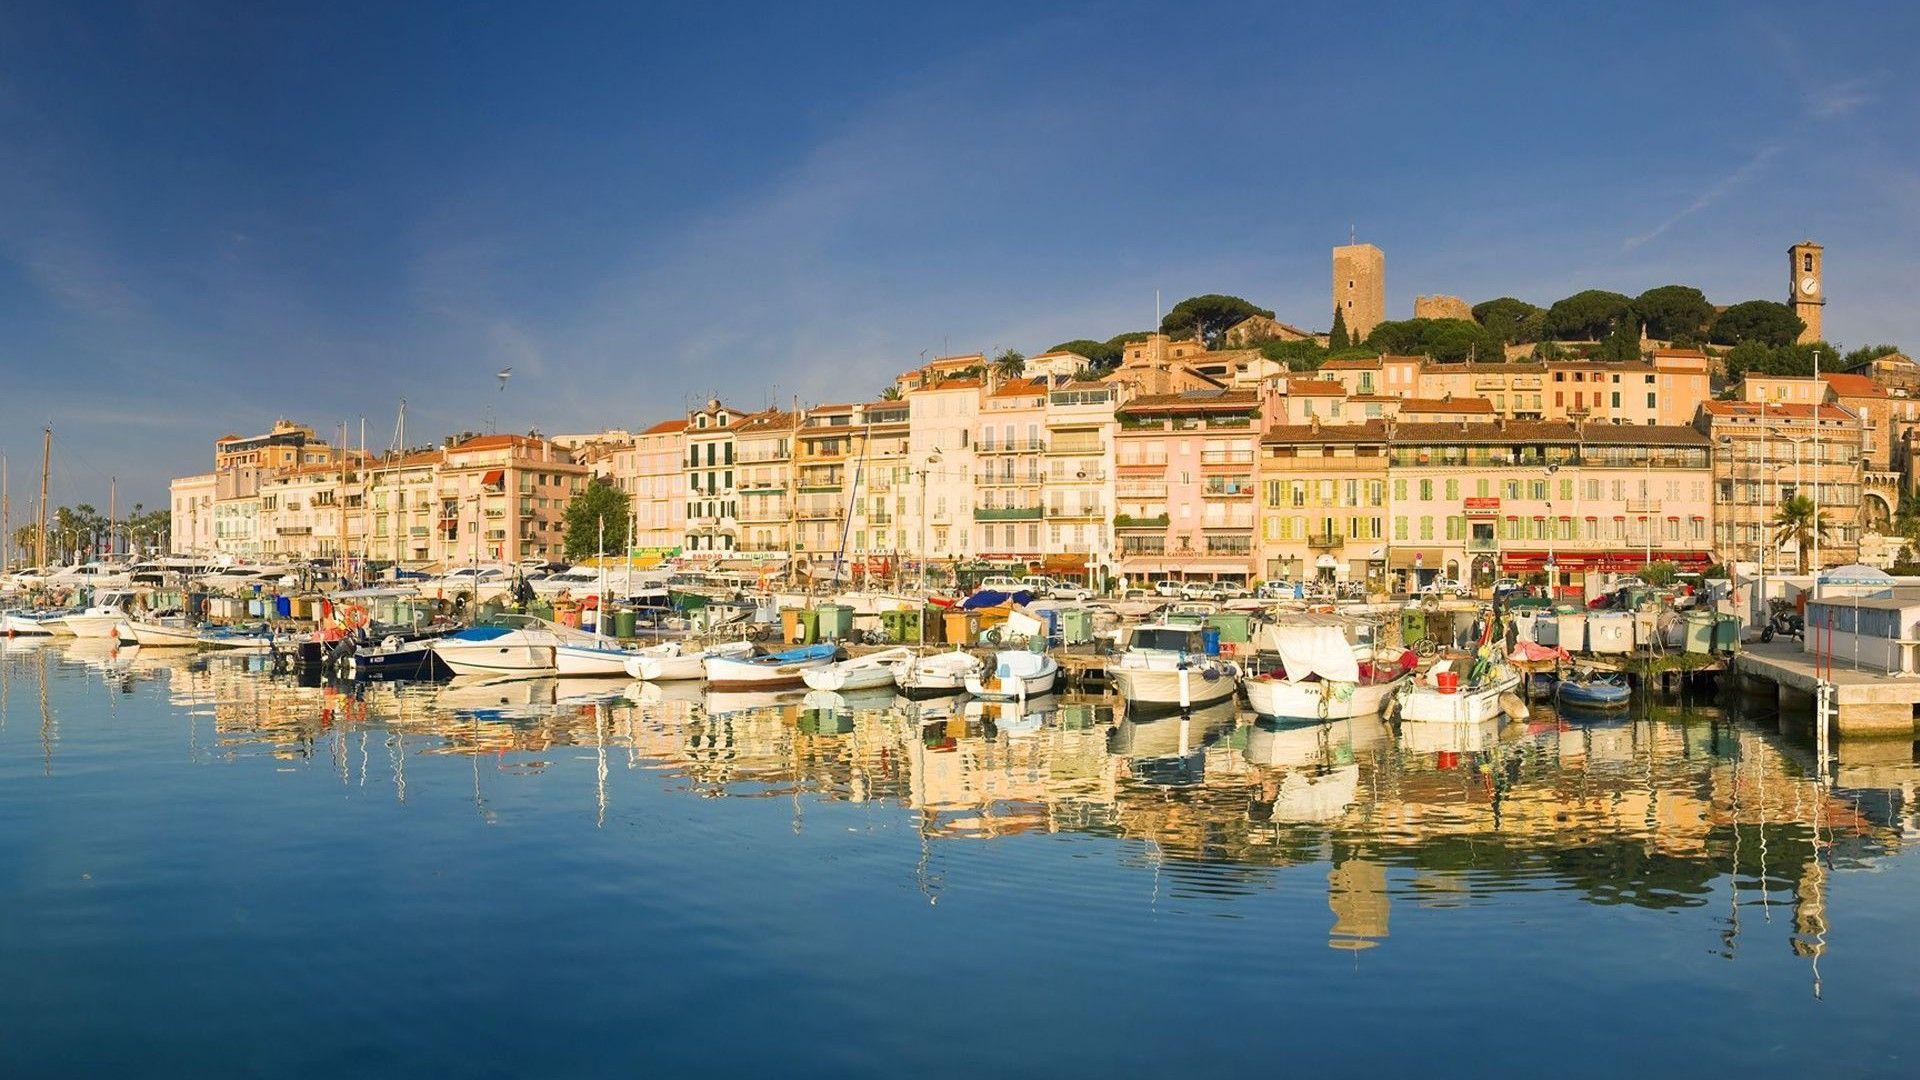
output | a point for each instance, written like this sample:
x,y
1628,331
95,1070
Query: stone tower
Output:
x,y
1806,292
1360,286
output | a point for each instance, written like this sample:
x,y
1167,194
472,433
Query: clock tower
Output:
x,y
1806,293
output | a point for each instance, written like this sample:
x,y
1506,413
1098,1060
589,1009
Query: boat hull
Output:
x,y
489,658
1426,704
591,661
158,636
1013,688
95,625
1278,699
1180,688
22,626
731,674
837,679
412,662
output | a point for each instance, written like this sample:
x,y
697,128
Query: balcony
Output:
x,y
1132,521
1227,488
1210,459
1077,446
819,511
1141,465
1017,446
1229,545
296,530
1483,544
1007,513
1141,492
1076,513
1079,476
989,479
1325,540
1143,545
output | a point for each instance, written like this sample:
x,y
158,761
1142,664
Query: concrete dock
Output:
x,y
1867,703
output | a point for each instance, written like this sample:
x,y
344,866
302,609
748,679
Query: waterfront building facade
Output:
x,y
763,480
1009,446
1323,502
1764,454
191,500
712,529
1183,497
1079,487
943,415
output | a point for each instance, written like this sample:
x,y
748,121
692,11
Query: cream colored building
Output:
x,y
1010,446
191,499
1079,483
942,463
764,483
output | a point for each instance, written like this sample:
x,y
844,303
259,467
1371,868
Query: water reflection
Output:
x,y
1664,808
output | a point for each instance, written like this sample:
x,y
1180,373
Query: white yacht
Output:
x,y
1166,665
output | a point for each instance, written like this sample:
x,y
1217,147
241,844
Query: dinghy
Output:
x,y
937,675
1017,676
860,673
672,662
774,671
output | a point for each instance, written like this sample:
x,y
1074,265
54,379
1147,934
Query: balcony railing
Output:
x,y
1226,457
1486,543
1141,463
823,510
1007,513
1325,540
1017,446
1077,446
296,530
1134,521
1079,476
1077,513
1234,488
992,479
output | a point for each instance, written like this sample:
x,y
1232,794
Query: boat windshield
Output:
x,y
1168,638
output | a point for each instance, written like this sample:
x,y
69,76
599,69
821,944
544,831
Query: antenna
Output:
x,y
1156,311
503,375
1353,234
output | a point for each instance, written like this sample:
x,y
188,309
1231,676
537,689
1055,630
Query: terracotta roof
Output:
x,y
1352,363
762,423
1847,385
1786,410
845,407
1548,431
1371,431
665,427
1489,367
1404,359
1020,388
1443,405
1235,400
947,384
1315,388
1691,354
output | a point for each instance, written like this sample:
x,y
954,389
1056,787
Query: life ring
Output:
x,y
355,616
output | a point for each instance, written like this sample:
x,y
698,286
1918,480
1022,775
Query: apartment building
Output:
x,y
824,448
402,497
1183,493
764,483
1079,483
1009,445
1473,502
1323,502
1767,452
659,487
191,500
712,529
503,499
880,484
942,416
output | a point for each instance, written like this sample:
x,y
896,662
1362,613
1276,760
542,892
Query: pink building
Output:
x,y
1184,485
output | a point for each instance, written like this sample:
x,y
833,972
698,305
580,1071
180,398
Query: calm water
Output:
x,y
208,869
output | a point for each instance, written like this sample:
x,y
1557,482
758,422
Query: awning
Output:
x,y
495,479
1064,564
1405,558
1602,561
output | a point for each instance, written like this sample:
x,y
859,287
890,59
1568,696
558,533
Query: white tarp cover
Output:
x,y
1308,649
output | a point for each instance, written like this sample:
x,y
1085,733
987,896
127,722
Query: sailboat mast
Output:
x,y
113,513
46,462
6,519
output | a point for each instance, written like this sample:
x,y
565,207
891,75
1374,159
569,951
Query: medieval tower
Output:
x,y
1360,287
1806,293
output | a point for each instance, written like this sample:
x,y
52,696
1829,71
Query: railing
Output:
x,y
1483,544
1131,521
1080,476
1077,446
1226,457
1017,446
1141,463
997,480
1325,540
1077,512
1007,513
1229,545
1142,492
823,510
1143,546
1227,488
295,530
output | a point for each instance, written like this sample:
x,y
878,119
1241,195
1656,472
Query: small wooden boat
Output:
x,y
860,673
1017,676
159,632
774,671
938,675
1438,697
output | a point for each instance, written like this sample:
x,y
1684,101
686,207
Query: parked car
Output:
x,y
1078,594
1199,590
1231,592
1274,590
1038,585
1004,584
1443,587
1168,588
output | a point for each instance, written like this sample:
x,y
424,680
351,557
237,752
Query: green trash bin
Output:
x,y
1413,627
626,623
1726,633
836,622
1077,626
809,626
1699,634
541,609
1234,626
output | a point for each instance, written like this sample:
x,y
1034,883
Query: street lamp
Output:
x,y
1553,568
926,466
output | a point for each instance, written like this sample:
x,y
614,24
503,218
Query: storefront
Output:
x,y
1573,566
1410,568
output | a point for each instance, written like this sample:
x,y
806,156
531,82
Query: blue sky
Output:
x,y
213,214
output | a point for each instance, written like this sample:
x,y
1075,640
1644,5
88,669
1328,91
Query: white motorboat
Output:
x,y
860,673
937,675
499,648
1435,697
1017,676
605,657
102,618
774,671
237,637
1166,665
159,632
672,661
35,623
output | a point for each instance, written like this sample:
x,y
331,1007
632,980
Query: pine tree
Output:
x,y
1338,337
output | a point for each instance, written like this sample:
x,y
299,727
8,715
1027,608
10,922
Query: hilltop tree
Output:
x,y
1513,321
1865,354
1674,312
1010,363
1586,316
1208,317
1622,344
600,502
1338,338
1442,339
1766,321
1099,354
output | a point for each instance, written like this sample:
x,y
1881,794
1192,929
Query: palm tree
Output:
x,y
1010,363
891,393
1798,521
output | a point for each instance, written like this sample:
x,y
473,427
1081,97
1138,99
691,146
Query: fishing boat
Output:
x,y
396,656
602,657
860,673
1324,668
35,623
1593,690
672,661
499,648
237,637
938,675
1443,695
102,618
1166,665
774,671
1017,676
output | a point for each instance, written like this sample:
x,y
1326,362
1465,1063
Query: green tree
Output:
x,y
1548,349
1622,344
1765,321
1010,363
1659,573
1797,521
1513,321
891,393
1586,316
1208,317
1338,338
1674,312
1100,354
1442,339
600,502
1865,354
1749,356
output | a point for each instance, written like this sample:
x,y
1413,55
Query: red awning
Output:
x,y
1615,561
495,478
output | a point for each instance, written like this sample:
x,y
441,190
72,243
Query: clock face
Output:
x,y
1809,285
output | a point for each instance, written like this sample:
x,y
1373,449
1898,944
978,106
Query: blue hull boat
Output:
x,y
1602,692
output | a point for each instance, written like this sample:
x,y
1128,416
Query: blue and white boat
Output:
x,y
503,648
774,671
1588,690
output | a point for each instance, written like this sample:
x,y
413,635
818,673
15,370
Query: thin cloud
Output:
x,y
1839,99
1720,189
